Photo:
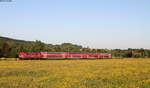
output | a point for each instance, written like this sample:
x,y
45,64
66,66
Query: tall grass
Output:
x,y
110,73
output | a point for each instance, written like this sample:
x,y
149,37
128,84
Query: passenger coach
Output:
x,y
26,55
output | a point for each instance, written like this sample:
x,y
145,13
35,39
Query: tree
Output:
x,y
38,46
6,50
1,53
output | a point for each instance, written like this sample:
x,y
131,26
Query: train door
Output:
x,y
43,54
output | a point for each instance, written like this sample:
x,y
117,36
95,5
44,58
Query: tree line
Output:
x,y
11,48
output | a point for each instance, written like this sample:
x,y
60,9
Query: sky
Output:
x,y
90,23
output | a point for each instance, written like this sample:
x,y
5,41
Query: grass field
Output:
x,y
109,73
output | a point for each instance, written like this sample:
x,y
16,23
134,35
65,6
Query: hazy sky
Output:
x,y
93,23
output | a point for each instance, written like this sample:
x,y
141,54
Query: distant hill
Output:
x,y
14,40
5,39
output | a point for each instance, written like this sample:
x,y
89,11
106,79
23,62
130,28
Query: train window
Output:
x,y
92,53
76,53
55,52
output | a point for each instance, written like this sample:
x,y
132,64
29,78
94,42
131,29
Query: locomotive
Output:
x,y
64,55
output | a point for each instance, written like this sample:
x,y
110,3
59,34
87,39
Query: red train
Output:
x,y
26,55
